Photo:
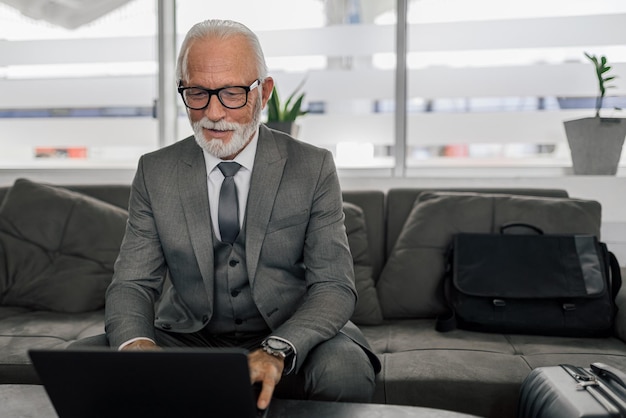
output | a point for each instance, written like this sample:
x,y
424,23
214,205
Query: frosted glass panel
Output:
x,y
489,83
78,95
494,81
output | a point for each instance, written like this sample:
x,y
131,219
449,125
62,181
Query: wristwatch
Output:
x,y
277,348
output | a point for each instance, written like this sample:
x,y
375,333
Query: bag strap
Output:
x,y
447,321
612,269
616,275
613,273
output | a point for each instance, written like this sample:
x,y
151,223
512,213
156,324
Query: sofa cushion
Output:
x,y
400,202
372,202
367,310
421,366
411,284
23,329
58,248
482,384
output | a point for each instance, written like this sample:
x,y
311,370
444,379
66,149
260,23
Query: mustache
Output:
x,y
216,126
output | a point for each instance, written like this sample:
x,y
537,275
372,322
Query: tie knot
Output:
x,y
229,169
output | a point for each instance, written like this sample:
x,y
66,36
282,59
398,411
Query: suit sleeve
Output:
x,y
139,272
331,295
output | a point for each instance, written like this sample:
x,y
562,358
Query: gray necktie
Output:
x,y
228,209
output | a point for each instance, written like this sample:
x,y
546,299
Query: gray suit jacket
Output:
x,y
297,254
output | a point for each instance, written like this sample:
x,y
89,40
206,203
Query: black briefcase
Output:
x,y
568,391
558,285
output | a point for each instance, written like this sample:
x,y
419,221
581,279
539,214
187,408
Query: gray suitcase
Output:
x,y
567,391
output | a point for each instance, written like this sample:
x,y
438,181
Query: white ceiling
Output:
x,y
69,14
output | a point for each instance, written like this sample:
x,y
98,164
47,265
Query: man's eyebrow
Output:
x,y
226,85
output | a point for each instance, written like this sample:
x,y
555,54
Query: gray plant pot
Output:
x,y
595,144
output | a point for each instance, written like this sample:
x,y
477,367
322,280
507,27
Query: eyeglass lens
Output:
x,y
230,97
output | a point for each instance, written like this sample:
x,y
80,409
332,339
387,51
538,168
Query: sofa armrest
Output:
x,y
620,319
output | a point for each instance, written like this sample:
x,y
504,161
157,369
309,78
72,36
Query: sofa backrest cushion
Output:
x,y
115,194
57,247
400,202
411,283
372,203
367,310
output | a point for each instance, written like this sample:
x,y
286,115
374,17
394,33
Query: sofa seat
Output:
x,y
22,329
422,366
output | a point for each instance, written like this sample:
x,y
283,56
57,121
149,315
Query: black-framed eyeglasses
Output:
x,y
233,97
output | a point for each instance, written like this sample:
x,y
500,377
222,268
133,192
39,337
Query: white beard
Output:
x,y
239,139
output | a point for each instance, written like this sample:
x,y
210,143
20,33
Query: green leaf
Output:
x,y
290,110
601,68
592,58
603,60
295,111
605,69
273,106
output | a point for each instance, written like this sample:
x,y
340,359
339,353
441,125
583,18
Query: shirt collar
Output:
x,y
245,158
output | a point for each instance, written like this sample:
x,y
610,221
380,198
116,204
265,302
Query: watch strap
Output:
x,y
288,355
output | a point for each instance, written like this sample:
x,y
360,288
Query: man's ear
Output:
x,y
268,86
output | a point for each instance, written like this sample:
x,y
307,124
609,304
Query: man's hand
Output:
x,y
268,370
142,344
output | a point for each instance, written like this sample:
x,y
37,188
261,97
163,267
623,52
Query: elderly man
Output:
x,y
247,224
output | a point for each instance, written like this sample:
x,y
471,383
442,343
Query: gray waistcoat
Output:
x,y
234,310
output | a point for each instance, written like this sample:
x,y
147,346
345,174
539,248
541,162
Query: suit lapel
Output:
x,y
269,164
192,186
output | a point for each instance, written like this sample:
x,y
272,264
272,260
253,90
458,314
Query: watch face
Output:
x,y
277,344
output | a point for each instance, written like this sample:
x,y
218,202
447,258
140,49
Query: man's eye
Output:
x,y
196,93
230,94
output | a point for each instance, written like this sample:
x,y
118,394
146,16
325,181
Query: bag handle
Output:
x,y
604,370
534,228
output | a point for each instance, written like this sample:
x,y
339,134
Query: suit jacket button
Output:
x,y
233,263
166,326
234,293
205,319
238,321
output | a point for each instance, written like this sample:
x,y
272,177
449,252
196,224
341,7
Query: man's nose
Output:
x,y
214,110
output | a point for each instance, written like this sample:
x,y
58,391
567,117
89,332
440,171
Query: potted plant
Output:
x,y
596,142
282,117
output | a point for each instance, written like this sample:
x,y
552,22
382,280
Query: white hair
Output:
x,y
220,29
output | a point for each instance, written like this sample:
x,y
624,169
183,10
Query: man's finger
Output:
x,y
266,394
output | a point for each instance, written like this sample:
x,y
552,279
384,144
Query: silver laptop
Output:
x,y
94,383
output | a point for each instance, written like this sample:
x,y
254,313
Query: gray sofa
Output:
x,y
398,239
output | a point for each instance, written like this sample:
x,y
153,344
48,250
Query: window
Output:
x,y
79,95
488,83
491,82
